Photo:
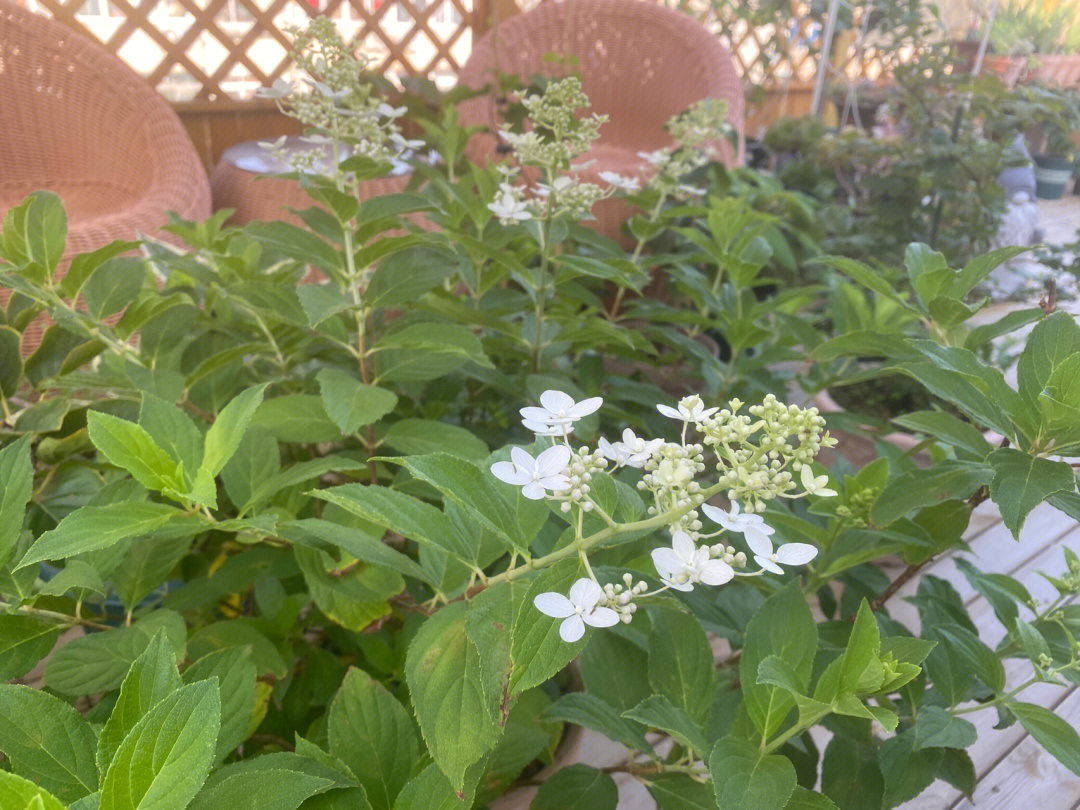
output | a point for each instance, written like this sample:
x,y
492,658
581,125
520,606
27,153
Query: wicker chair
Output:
x,y
77,121
639,62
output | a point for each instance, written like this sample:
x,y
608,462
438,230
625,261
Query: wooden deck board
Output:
x,y
1005,760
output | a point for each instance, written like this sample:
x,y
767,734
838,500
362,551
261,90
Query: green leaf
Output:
x,y
367,547
1002,592
165,758
224,436
963,649
907,771
351,403
536,649
1051,732
281,789
321,301
98,662
589,711
24,641
353,600
35,232
658,712
946,428
235,673
442,669
783,627
410,517
865,275
172,430
127,445
803,799
298,418
151,679
577,787
114,285
1051,342
96,527
489,625
1021,482
11,363
928,270
675,791
859,671
403,277
424,351
22,794
681,663
297,243
414,437
373,734
947,480
936,728
471,488
746,779
16,487
145,567
431,790
47,741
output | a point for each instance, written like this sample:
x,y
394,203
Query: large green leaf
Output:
x,y
1051,732
24,641
681,663
373,734
442,669
351,403
589,711
658,712
235,673
11,362
424,351
536,649
35,232
172,430
129,446
151,679
744,778
16,487
228,430
1050,343
676,791
414,437
431,790
577,787
47,741
16,792
363,546
947,480
298,418
783,627
355,599
165,758
1021,482
277,788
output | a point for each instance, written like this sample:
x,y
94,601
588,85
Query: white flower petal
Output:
x,y
768,564
716,514
601,617
556,401
667,410
796,553
554,604
667,562
556,483
522,458
759,543
585,593
572,629
510,473
683,546
586,406
553,460
536,414
533,491
716,572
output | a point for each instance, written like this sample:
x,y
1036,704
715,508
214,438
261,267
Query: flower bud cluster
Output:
x,y
856,512
583,464
620,596
670,475
787,437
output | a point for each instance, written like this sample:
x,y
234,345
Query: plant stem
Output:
x,y
541,290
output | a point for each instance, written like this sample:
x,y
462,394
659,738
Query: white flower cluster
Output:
x,y
753,455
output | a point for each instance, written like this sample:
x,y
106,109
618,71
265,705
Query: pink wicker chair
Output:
x,y
639,62
78,121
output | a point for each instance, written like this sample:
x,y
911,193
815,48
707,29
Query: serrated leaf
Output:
x,y
936,728
172,430
746,779
415,437
372,733
235,673
1051,732
589,711
47,741
536,649
24,641
577,787
129,446
228,430
16,487
351,403
658,712
681,663
16,792
1021,482
442,669
355,599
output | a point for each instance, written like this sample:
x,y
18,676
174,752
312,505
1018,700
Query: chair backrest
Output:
x,y
640,63
70,109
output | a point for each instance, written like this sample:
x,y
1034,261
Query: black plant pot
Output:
x,y
1052,175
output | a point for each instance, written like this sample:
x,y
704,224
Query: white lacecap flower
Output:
x,y
632,451
559,408
578,610
620,182
401,143
690,409
815,485
389,111
657,158
279,89
735,521
787,554
546,429
535,475
683,565
508,208
559,184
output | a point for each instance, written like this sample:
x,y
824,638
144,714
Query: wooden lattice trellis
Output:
x,y
211,50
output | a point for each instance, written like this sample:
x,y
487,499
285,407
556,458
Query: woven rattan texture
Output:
x,y
77,121
639,63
